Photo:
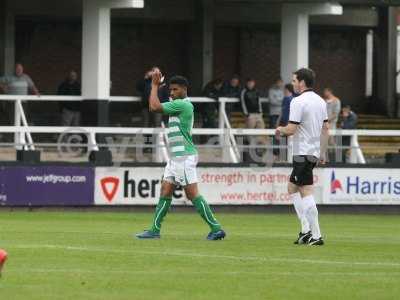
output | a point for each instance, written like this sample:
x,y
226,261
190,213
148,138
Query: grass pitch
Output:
x,y
94,256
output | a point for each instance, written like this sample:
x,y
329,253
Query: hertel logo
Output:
x,y
335,184
109,185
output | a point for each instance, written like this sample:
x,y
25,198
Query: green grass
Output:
x,y
93,256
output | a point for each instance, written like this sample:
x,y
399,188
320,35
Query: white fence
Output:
x,y
227,135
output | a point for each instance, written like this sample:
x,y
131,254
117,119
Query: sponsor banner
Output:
x,y
130,186
235,186
71,186
250,185
46,185
362,186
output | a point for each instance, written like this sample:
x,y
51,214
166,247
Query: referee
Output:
x,y
308,123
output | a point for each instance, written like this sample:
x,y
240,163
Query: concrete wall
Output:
x,y
239,12
246,41
50,49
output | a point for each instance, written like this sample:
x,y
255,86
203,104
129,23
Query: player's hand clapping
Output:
x,y
156,78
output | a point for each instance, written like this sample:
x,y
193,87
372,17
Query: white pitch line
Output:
x,y
344,238
217,256
232,273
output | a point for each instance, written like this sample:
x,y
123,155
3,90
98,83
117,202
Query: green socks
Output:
x,y
202,208
161,210
205,212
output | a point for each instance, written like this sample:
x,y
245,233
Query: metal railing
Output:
x,y
23,132
227,135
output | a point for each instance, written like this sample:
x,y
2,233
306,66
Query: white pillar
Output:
x,y
201,45
7,39
208,40
391,62
294,45
398,64
294,34
398,70
96,50
369,65
96,45
2,37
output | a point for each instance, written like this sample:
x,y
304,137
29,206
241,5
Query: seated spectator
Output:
x,y
349,121
70,111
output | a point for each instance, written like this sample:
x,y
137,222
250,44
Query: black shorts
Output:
x,y
303,166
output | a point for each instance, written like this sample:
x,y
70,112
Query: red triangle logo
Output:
x,y
109,185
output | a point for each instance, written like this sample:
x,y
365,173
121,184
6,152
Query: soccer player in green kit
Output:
x,y
181,168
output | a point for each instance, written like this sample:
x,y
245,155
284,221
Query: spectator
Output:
x,y
283,119
144,88
288,96
349,118
231,89
333,107
70,111
209,112
275,97
349,121
251,107
18,84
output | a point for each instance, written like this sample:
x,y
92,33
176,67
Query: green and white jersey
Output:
x,y
180,125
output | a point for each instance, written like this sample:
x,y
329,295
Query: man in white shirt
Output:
x,y
308,124
19,83
334,107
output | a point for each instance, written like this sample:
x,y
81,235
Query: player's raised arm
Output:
x,y
154,102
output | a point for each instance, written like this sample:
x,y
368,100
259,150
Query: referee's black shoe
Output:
x,y
316,242
303,238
